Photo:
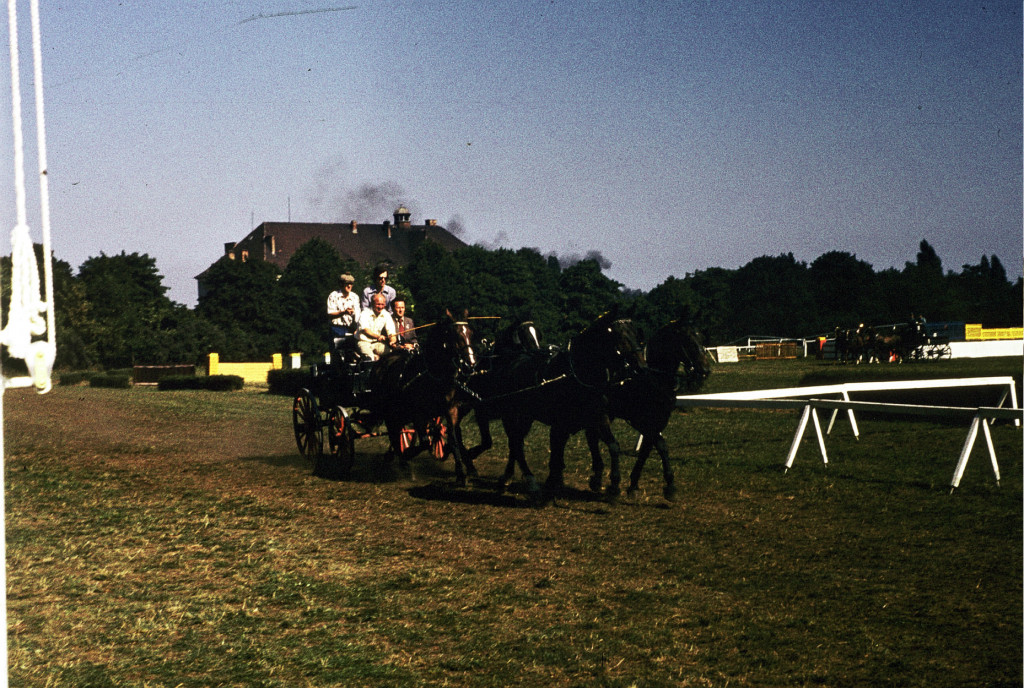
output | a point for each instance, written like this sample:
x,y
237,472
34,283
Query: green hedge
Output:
x,y
113,380
213,383
288,381
77,377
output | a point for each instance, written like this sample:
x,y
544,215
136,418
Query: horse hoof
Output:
x,y
613,493
460,481
595,483
670,492
631,490
471,471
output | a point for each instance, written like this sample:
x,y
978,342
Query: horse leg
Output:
x,y
463,465
483,422
666,468
638,467
394,431
614,475
516,433
596,461
557,438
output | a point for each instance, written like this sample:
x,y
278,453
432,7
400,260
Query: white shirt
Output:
x,y
381,323
340,301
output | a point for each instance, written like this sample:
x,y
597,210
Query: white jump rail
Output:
x,y
810,399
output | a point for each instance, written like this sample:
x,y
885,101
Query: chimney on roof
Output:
x,y
355,227
430,223
402,217
387,228
229,250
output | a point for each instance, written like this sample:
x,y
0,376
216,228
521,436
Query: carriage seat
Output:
x,y
345,348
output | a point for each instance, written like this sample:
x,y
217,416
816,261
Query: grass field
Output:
x,y
178,539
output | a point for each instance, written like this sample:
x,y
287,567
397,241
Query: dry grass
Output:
x,y
176,538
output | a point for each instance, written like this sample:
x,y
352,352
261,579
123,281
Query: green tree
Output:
x,y
311,275
712,297
982,294
925,289
128,303
438,281
586,294
76,328
770,296
242,299
845,290
672,299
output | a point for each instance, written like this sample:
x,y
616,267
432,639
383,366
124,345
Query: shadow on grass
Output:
x,y
293,460
449,492
486,491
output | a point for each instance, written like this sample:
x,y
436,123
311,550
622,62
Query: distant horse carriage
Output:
x,y
890,343
348,400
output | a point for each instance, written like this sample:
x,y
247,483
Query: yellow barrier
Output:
x,y
250,372
974,333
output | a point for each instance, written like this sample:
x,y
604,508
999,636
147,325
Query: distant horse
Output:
x,y
568,392
887,344
861,344
842,345
419,387
647,398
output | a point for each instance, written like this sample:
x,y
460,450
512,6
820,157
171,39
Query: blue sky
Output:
x,y
668,136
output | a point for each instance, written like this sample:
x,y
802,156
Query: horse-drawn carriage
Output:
x,y
890,343
599,374
340,406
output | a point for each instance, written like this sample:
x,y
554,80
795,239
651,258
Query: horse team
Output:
x,y
880,343
602,373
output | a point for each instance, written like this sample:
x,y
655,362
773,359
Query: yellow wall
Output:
x,y
250,372
975,333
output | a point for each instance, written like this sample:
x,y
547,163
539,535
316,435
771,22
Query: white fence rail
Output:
x,y
810,399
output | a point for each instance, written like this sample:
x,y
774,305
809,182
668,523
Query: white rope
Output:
x,y
24,320
25,323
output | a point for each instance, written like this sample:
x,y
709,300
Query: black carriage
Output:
x,y
928,342
333,412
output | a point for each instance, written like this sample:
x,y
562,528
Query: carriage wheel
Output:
x,y
309,432
438,432
341,440
405,440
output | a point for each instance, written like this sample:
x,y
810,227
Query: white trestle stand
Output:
x,y
810,399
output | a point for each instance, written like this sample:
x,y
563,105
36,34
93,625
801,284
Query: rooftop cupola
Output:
x,y
402,217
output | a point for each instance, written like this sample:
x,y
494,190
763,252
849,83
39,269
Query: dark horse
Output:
x,y
492,377
568,392
419,387
647,398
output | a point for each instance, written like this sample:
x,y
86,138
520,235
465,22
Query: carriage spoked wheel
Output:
x,y
940,351
341,440
309,432
437,433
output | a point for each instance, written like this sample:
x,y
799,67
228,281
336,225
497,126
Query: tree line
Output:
x,y
115,312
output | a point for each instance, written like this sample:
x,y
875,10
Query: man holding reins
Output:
x,y
376,329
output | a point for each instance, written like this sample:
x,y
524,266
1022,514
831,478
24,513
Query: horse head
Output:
x,y
524,336
676,345
451,344
608,348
